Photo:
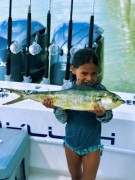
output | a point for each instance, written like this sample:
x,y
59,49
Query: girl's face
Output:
x,y
87,73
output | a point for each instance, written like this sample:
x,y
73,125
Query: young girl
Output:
x,y
83,129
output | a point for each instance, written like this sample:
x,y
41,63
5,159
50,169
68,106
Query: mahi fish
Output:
x,y
82,98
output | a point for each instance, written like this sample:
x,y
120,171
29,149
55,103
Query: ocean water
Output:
x,y
116,17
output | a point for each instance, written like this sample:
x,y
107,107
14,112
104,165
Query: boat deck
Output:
x,y
36,174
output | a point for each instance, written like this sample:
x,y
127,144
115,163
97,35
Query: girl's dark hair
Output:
x,y
84,56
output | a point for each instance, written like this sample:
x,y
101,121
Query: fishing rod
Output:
x,y
91,27
27,65
9,41
47,42
69,43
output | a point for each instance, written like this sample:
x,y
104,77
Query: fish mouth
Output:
x,y
119,102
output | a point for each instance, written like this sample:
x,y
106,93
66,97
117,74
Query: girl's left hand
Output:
x,y
99,110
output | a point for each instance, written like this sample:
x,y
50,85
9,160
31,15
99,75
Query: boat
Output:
x,y
47,158
46,155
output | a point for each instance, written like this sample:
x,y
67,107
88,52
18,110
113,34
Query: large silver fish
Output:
x,y
82,98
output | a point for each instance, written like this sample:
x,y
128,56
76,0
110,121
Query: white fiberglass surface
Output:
x,y
37,174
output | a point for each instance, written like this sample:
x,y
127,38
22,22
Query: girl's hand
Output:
x,y
99,110
48,103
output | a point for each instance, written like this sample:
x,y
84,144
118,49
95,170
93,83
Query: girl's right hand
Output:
x,y
48,103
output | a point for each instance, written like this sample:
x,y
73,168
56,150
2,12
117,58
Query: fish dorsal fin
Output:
x,y
84,86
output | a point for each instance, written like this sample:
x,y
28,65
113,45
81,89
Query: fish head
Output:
x,y
111,100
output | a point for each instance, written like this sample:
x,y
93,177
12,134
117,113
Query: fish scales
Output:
x,y
70,100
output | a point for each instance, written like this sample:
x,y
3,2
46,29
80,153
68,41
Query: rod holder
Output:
x,y
45,81
26,79
7,77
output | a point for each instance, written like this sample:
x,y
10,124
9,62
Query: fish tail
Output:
x,y
22,96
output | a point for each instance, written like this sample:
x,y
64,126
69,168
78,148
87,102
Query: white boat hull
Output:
x,y
47,154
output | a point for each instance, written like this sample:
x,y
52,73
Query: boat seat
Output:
x,y
14,154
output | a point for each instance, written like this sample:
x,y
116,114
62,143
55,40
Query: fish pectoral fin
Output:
x,y
14,101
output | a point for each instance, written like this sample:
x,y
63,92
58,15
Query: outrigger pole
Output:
x,y
91,28
45,79
9,36
27,64
69,43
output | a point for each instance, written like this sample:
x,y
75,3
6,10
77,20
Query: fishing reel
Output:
x,y
15,48
33,49
55,49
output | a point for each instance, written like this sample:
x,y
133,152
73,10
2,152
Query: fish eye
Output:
x,y
98,98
